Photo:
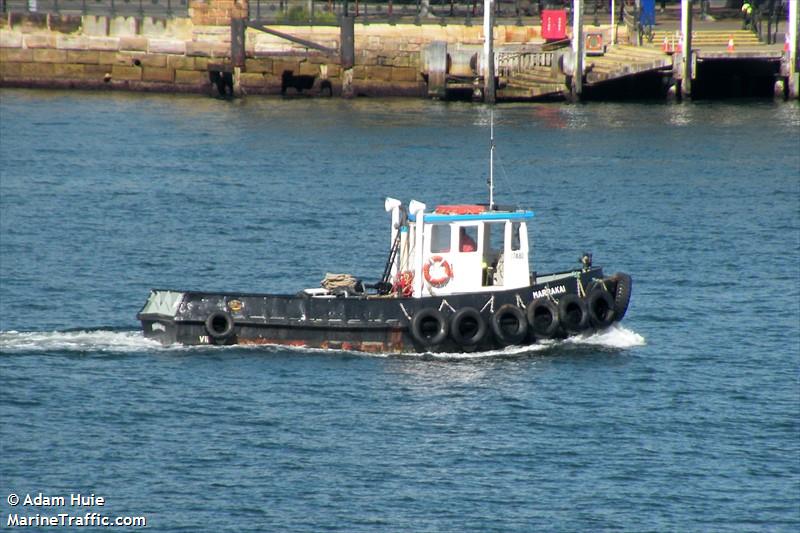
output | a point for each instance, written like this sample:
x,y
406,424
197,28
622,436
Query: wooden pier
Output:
x,y
688,61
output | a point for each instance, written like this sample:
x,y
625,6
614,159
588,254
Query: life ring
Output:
x,y
441,263
509,325
429,327
467,327
601,307
219,325
542,315
622,294
572,313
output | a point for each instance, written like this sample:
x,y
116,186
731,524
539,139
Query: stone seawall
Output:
x,y
177,56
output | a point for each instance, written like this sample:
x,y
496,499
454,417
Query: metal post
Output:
x,y
488,51
577,48
794,77
686,53
491,162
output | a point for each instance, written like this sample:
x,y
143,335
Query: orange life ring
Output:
x,y
442,264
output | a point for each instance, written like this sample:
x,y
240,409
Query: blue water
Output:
x,y
685,418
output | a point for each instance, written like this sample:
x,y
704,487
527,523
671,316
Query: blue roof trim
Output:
x,y
489,215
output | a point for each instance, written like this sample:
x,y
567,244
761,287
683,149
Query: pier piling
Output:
x,y
577,49
488,52
686,50
347,54
794,77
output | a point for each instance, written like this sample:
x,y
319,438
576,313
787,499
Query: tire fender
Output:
x,y
542,315
600,305
572,313
509,324
219,325
469,319
429,327
622,294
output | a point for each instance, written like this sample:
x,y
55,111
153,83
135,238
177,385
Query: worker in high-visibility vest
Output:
x,y
747,15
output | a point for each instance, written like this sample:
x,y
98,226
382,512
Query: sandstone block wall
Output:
x,y
176,55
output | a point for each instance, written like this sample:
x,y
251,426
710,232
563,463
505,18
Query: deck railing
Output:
x,y
125,8
393,11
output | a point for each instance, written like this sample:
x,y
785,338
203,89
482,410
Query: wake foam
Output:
x,y
615,337
110,341
75,341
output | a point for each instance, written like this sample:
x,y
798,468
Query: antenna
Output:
x,y
491,161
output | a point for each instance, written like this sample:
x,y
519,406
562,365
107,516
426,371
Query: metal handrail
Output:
x,y
388,11
514,62
128,8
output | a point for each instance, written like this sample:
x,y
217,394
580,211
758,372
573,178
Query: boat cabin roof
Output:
x,y
469,213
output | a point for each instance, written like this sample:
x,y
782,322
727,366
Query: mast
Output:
x,y
491,161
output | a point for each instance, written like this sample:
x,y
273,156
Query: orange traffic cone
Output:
x,y
665,46
679,48
731,48
786,43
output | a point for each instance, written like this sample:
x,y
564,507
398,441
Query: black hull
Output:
x,y
366,323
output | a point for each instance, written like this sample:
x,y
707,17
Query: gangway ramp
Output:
x,y
621,61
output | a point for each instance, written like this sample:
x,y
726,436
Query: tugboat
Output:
x,y
457,279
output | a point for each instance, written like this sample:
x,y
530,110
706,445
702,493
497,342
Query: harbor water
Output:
x,y
685,417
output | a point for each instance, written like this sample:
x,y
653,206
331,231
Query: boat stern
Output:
x,y
158,315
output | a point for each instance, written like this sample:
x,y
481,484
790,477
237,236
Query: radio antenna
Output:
x,y
491,160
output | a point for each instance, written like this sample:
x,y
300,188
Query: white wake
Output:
x,y
616,337
109,341
75,341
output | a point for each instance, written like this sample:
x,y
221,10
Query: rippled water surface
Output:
x,y
684,418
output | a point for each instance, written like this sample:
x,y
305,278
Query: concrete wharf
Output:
x,y
235,47
722,60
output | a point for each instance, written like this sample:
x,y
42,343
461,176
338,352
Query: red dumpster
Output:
x,y
554,24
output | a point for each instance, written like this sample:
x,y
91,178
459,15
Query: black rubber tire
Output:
x,y
219,325
600,304
467,327
542,315
622,295
509,325
429,327
573,314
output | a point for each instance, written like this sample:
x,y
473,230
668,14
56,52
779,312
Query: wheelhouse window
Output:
x,y
493,238
468,239
516,236
440,238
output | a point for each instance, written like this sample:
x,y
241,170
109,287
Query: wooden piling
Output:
x,y
347,54
238,30
238,27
